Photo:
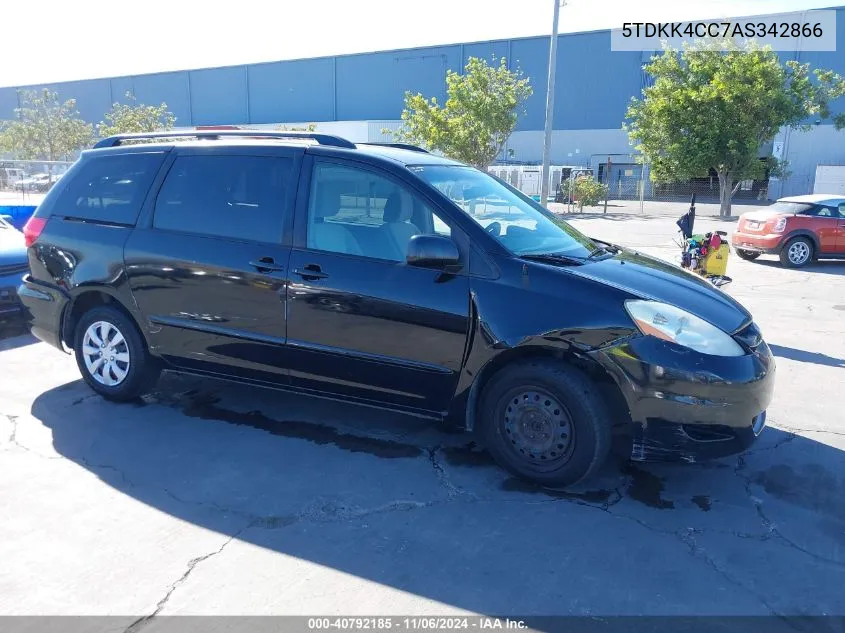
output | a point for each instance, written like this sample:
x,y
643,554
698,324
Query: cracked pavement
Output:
x,y
213,498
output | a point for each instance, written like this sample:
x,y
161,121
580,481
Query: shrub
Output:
x,y
585,191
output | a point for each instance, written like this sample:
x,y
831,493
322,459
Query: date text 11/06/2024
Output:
x,y
423,623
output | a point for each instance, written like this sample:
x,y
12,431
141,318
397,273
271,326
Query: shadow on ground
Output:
x,y
14,333
824,267
807,357
388,499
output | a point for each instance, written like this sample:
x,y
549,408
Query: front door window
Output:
x,y
357,212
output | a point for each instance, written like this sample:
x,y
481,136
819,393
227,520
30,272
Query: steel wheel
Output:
x,y
798,253
106,353
538,427
544,421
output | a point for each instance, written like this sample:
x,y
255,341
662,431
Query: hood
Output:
x,y
12,247
650,278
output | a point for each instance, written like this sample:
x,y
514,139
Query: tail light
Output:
x,y
32,229
780,225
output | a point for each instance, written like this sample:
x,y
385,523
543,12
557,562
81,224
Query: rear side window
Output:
x,y
832,210
240,197
109,188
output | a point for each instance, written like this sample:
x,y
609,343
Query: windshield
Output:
x,y
521,225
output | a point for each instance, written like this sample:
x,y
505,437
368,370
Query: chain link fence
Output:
x,y
707,190
626,181
633,182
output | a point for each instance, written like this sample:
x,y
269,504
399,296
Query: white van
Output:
x,y
10,175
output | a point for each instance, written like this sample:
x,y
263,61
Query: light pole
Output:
x,y
550,103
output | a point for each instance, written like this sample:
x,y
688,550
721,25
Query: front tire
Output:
x,y
546,422
748,256
797,252
112,356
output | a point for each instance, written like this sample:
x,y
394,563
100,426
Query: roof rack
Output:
x,y
322,139
413,148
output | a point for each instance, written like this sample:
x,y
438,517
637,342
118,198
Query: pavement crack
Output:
x,y
13,439
141,622
616,496
122,475
765,449
443,474
795,430
771,529
687,537
325,513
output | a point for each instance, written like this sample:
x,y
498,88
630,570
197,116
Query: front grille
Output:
x,y
749,336
12,269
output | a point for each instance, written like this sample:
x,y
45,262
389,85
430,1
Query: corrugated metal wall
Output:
x,y
594,84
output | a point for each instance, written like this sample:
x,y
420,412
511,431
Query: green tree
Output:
x,y
124,118
480,112
45,128
713,109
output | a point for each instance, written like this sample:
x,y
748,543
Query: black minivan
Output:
x,y
388,276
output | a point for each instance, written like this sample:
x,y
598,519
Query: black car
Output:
x,y
388,276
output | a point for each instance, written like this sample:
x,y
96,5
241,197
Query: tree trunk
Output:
x,y
725,193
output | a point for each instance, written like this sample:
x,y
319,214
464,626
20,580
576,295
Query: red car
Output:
x,y
798,229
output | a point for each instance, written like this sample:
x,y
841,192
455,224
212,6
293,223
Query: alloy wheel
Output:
x,y
798,253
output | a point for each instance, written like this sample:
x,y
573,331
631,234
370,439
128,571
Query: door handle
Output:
x,y
311,272
265,264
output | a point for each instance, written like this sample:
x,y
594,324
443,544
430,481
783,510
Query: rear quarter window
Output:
x,y
791,207
235,196
110,188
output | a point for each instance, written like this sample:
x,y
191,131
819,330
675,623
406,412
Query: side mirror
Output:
x,y
432,251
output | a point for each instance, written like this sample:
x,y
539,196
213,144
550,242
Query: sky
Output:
x,y
61,40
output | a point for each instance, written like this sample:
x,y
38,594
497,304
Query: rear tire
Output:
x,y
545,422
797,252
748,256
112,356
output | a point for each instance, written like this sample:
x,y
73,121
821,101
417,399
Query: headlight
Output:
x,y
780,225
669,323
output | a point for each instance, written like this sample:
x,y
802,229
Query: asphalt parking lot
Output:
x,y
213,498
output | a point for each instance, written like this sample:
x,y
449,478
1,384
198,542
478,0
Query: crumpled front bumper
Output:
x,y
688,406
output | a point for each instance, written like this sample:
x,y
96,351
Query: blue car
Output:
x,y
13,265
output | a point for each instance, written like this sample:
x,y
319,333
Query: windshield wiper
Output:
x,y
554,258
604,247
